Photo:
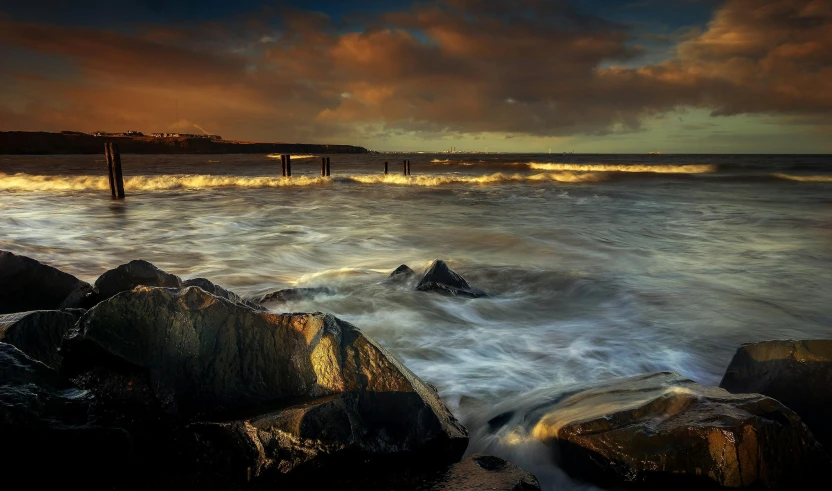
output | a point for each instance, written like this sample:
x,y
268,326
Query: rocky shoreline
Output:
x,y
144,380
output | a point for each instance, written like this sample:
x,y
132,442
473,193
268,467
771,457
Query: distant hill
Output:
x,y
43,143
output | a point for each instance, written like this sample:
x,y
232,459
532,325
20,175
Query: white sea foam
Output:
x,y
661,169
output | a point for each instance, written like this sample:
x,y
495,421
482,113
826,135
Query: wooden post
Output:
x,y
408,167
288,165
108,152
327,167
117,171
323,166
404,167
283,165
385,168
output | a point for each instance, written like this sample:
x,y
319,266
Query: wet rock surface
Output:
x,y
402,273
293,294
27,284
128,276
39,333
662,431
796,373
250,392
219,291
440,278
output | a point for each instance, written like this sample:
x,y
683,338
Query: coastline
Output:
x,y
45,143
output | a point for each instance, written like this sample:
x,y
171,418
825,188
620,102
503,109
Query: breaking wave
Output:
x,y
294,157
660,169
792,177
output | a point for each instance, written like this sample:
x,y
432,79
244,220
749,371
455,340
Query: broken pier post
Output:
x,y
385,168
288,165
108,153
323,166
327,167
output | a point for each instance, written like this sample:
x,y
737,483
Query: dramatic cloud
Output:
x,y
462,66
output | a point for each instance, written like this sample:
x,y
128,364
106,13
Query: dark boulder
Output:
x,y
662,431
294,294
46,432
27,284
403,272
39,333
130,275
439,277
258,393
796,373
219,291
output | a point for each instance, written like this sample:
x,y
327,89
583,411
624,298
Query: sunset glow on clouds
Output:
x,y
428,75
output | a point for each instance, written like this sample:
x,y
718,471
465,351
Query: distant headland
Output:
x,y
74,142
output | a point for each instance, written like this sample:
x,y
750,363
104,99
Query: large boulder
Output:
x,y
796,373
662,431
39,333
219,291
27,284
403,272
439,277
257,393
128,276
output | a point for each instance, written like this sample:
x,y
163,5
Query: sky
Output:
x,y
597,76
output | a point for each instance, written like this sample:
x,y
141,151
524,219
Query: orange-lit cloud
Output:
x,y
466,66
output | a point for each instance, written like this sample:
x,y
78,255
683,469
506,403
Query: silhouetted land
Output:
x,y
44,143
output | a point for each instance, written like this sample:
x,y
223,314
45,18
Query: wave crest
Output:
x,y
792,177
660,169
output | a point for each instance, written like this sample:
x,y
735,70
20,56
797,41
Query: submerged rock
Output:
x,y
662,431
27,284
401,273
294,294
219,291
439,277
39,333
796,373
128,276
259,393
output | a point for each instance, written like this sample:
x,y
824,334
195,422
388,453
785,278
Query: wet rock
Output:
x,y
479,472
662,431
259,393
403,272
128,276
439,277
39,333
294,294
46,431
219,291
27,284
796,373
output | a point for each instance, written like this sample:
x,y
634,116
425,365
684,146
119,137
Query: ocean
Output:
x,y
596,266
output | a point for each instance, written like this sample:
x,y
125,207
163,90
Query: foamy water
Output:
x,y
595,271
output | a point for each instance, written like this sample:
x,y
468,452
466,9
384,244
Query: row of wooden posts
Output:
x,y
117,179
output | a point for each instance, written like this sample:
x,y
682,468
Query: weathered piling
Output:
x,y
408,167
385,168
283,165
117,176
323,166
404,167
288,165
328,168
108,153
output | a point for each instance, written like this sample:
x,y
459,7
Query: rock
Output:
x,y
46,432
479,472
259,393
662,431
27,284
39,333
401,273
796,373
219,291
130,275
294,294
439,277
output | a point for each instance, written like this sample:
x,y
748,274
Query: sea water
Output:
x,y
596,266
